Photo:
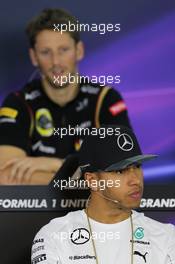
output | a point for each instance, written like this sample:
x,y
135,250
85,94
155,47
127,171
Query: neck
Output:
x,y
61,96
105,211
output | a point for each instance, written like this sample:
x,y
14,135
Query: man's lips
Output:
x,y
136,194
57,73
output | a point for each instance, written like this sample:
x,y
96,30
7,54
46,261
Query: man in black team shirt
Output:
x,y
30,152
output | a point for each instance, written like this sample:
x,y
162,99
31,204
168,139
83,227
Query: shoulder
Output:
x,y
61,224
89,89
29,92
155,228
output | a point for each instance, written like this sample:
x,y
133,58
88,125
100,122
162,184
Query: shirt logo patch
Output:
x,y
90,89
77,144
8,112
80,236
32,95
125,142
39,258
82,257
44,122
117,108
82,105
141,255
139,233
41,147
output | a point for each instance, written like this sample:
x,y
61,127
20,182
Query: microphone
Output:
x,y
120,206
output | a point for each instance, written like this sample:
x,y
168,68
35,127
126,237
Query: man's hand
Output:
x,y
22,169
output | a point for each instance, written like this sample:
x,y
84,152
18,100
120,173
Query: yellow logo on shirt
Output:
x,y
8,112
44,122
77,144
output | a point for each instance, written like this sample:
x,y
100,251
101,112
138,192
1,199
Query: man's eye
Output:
x,y
45,52
64,49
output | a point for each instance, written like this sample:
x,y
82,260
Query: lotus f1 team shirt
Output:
x,y
30,120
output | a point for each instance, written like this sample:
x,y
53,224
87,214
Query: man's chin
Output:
x,y
135,205
57,85
60,87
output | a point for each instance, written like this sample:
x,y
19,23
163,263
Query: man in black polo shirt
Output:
x,y
30,151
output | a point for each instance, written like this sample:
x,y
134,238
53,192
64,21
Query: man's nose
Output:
x,y
135,176
56,59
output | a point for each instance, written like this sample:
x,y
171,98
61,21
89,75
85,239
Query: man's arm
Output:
x,y
44,249
17,168
111,109
171,247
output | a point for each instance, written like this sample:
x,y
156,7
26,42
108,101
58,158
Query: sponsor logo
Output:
x,y
141,255
77,144
157,203
125,142
7,120
85,124
23,203
8,112
85,166
80,236
81,257
90,90
139,233
46,149
44,122
32,95
140,242
39,248
39,240
116,108
39,258
82,105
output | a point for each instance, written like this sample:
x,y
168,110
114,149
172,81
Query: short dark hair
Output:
x,y
46,20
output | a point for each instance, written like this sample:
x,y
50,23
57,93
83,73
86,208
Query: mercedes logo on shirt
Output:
x,y
80,236
125,142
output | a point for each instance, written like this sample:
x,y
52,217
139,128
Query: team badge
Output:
x,y
44,122
139,233
80,236
125,142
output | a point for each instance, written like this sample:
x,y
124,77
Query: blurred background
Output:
x,y
142,53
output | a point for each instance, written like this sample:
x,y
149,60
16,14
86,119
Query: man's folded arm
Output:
x,y
18,168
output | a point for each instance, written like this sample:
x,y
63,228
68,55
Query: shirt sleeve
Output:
x,y
113,108
171,248
44,249
15,123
